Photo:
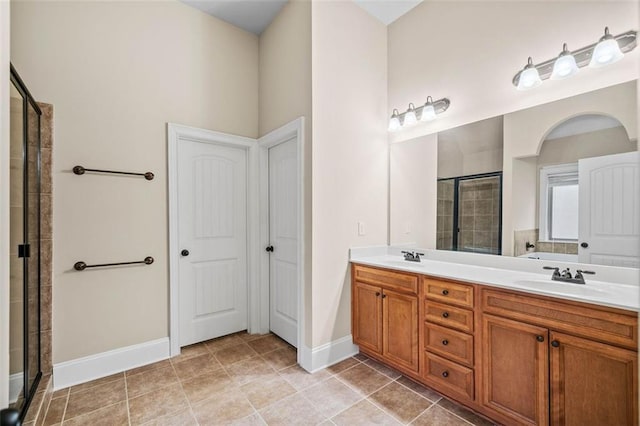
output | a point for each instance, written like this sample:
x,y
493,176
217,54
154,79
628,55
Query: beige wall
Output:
x,y
4,201
470,51
524,133
350,154
413,191
285,94
116,73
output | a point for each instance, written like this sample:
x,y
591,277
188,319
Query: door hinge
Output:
x,y
24,250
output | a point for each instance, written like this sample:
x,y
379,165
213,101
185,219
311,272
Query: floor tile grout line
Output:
x,y
407,387
90,412
66,404
126,397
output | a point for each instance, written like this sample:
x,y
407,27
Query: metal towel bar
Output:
x,y
79,170
81,266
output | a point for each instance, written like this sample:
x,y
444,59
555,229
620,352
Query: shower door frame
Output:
x,y
456,206
28,100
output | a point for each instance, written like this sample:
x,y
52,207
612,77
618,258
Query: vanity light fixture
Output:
x,y
426,112
410,116
607,50
565,66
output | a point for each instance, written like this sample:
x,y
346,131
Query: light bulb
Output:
x,y
606,52
428,111
565,66
394,121
529,77
410,116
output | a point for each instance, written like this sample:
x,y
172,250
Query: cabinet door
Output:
x,y
367,316
592,383
515,370
400,329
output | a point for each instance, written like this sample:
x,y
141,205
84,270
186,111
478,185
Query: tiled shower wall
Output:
x,y
520,239
444,234
46,236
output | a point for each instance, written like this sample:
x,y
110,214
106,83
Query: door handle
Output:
x,y
184,252
269,249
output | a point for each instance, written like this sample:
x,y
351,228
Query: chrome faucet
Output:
x,y
412,256
565,275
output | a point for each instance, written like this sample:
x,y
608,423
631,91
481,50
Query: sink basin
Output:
x,y
560,287
403,263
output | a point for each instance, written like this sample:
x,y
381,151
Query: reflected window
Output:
x,y
559,202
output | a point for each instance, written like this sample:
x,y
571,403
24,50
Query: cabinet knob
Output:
x,y
445,342
445,374
555,343
445,315
184,252
540,338
377,293
384,296
445,292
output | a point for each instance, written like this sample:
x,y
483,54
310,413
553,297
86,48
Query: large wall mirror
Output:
x,y
558,181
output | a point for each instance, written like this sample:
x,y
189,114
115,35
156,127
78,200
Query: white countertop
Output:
x,y
506,274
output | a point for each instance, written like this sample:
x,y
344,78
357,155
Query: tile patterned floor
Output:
x,y
245,379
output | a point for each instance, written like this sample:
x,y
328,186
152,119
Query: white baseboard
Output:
x,y
93,367
328,354
16,383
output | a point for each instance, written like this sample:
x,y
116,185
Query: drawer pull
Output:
x,y
445,292
540,338
445,374
445,342
445,315
555,343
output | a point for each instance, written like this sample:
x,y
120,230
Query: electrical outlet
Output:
x,y
361,228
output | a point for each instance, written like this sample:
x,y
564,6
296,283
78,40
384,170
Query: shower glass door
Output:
x,y
470,213
24,269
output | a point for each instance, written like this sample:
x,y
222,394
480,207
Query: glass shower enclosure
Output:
x,y
24,265
469,213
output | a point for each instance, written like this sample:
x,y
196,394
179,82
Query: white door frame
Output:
x,y
257,224
293,129
175,134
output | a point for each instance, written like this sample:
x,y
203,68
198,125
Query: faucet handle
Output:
x,y
551,268
580,271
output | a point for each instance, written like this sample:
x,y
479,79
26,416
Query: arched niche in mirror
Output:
x,y
582,189
525,133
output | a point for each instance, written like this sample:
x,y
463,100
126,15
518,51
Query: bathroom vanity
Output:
x,y
505,343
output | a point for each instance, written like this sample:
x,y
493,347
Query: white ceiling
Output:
x,y
250,15
387,11
256,15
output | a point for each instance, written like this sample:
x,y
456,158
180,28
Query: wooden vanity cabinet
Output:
x,y
385,315
517,358
515,370
533,374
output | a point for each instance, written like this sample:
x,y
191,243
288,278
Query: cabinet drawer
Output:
x,y
458,380
392,280
603,324
449,292
449,316
448,343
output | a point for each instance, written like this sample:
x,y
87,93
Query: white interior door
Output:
x,y
283,236
609,218
212,232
